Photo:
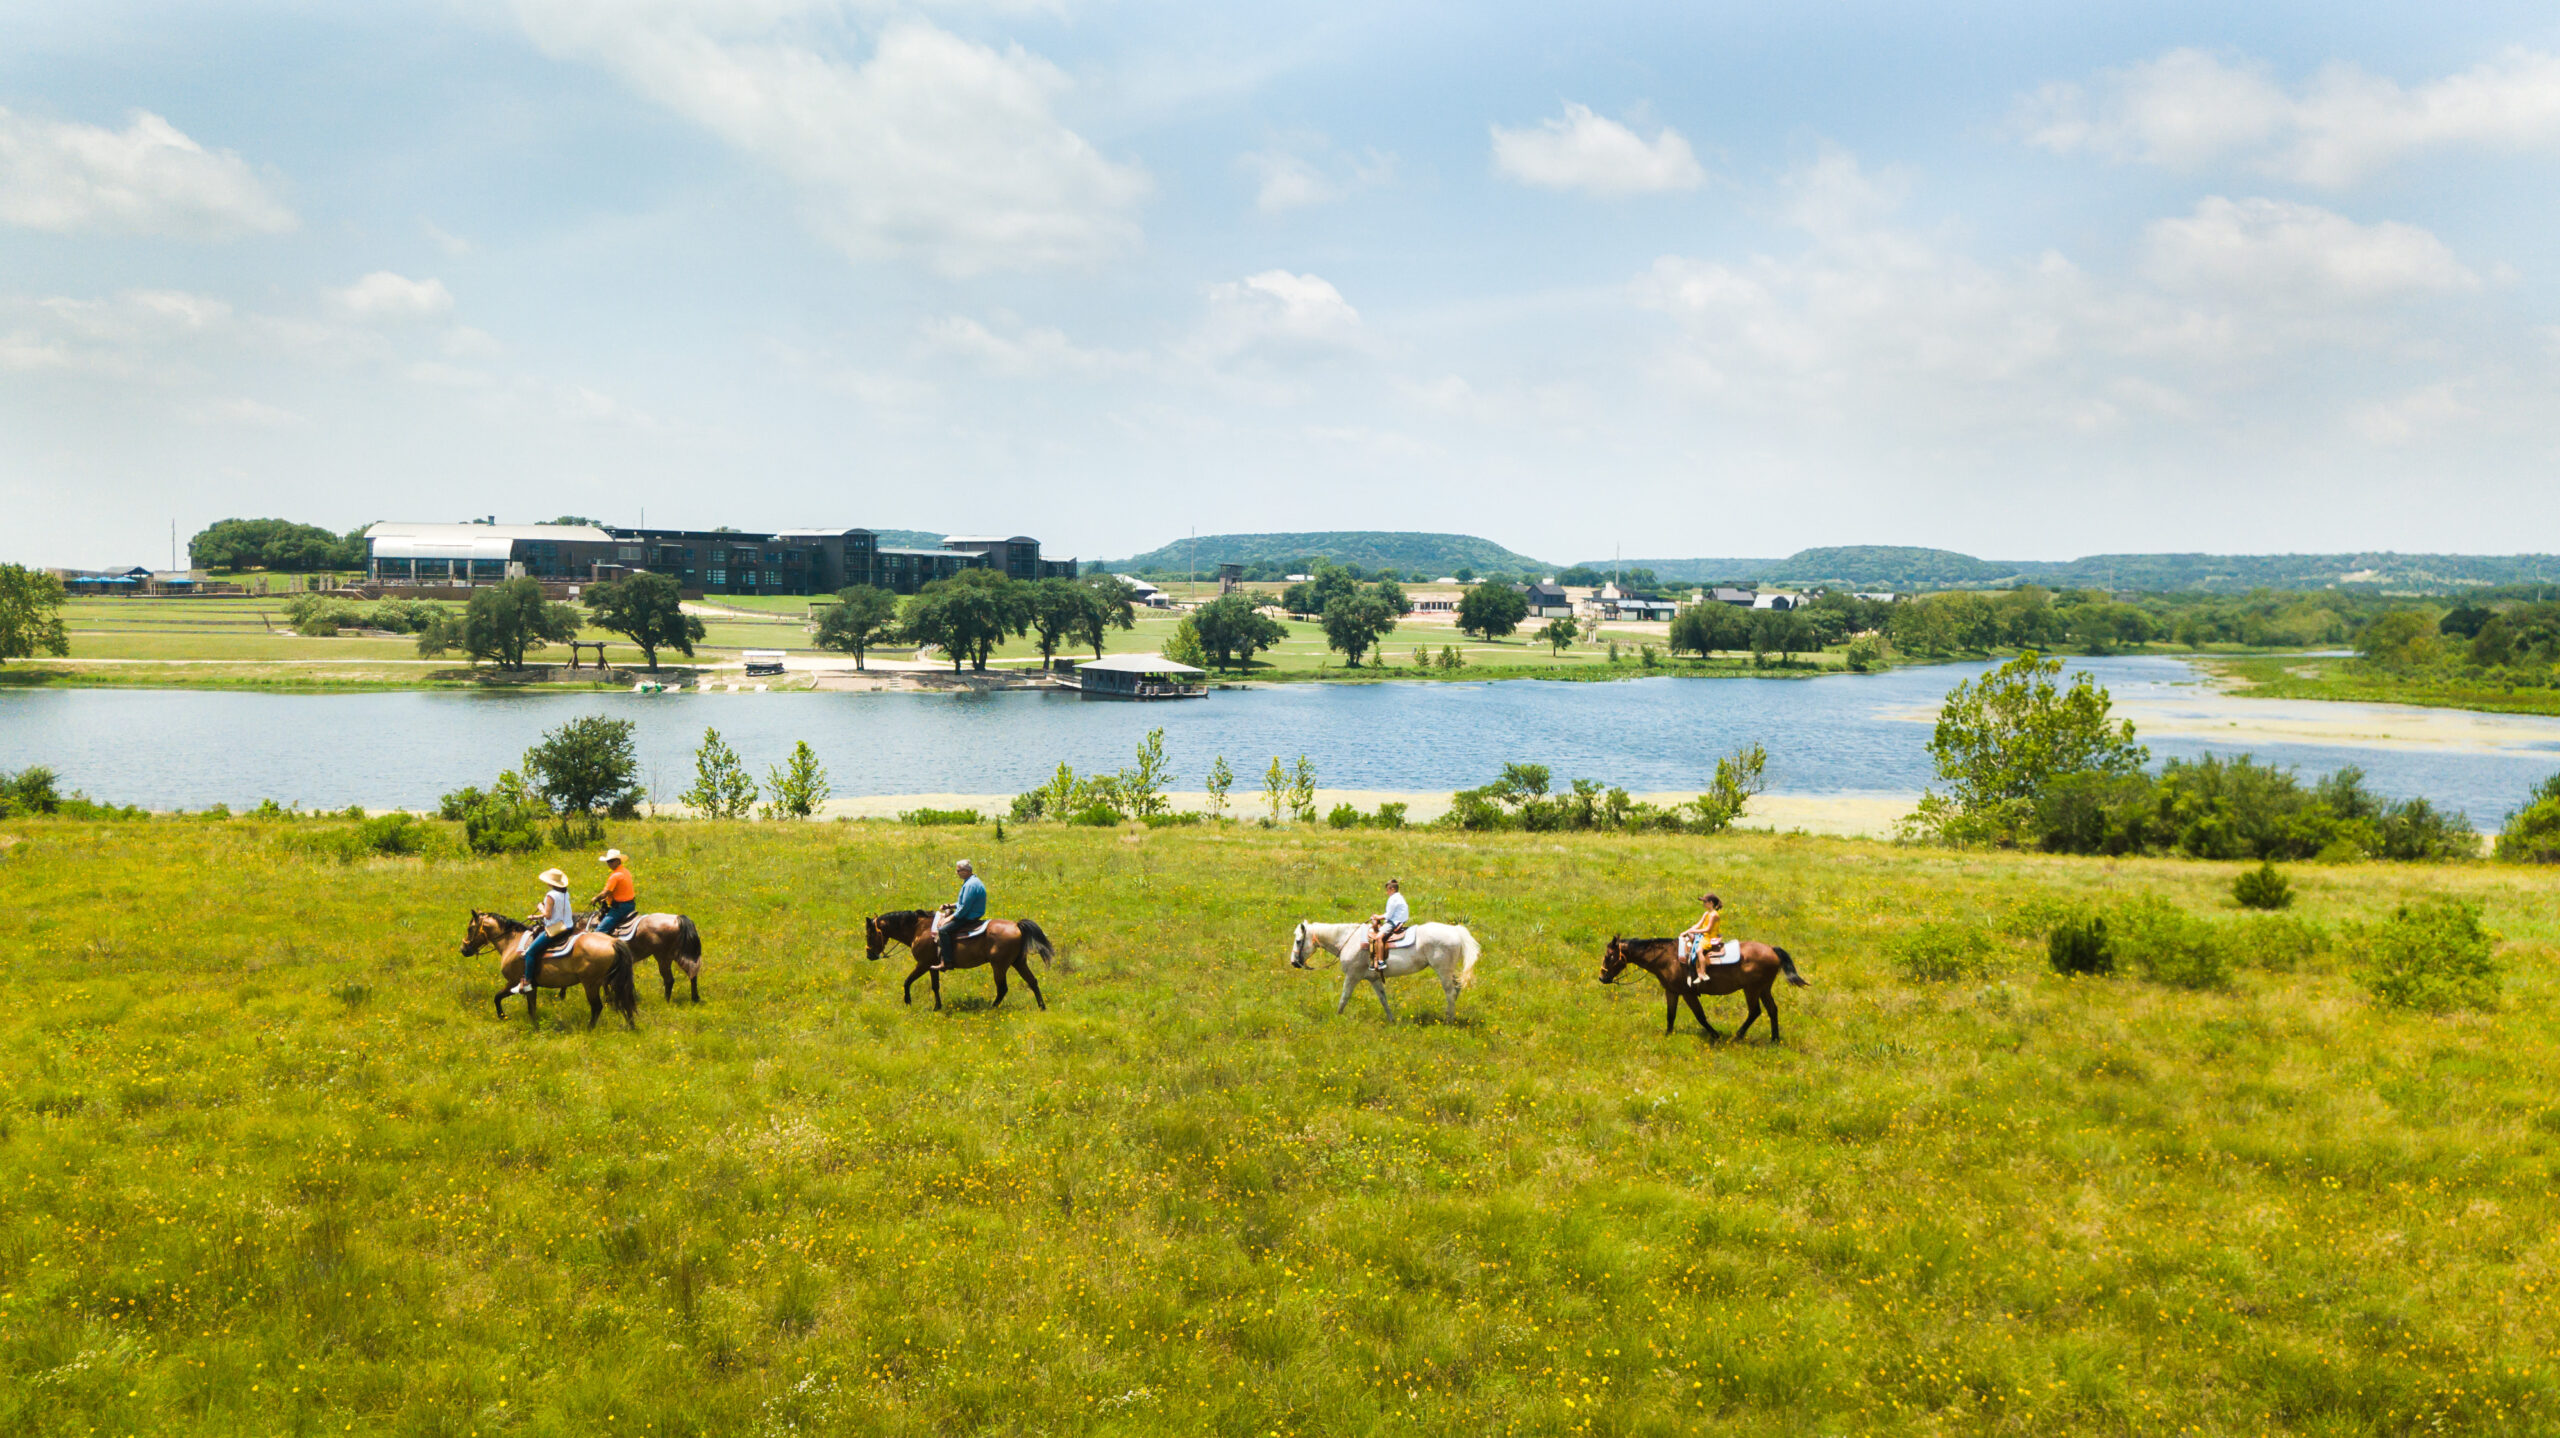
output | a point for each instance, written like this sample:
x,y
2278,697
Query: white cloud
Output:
x,y
146,179
2268,249
245,413
1291,179
1025,353
934,147
2189,108
2406,417
1278,313
383,295
1584,151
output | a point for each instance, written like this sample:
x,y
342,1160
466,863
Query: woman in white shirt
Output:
x,y
552,920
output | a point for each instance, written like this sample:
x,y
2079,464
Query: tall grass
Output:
x,y
268,1164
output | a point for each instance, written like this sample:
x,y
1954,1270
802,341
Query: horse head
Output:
x,y
482,929
875,937
1614,960
1298,947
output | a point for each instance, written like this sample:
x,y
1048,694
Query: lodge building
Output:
x,y
705,561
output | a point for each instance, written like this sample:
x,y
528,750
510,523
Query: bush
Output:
x,y
2264,887
388,834
1867,655
2433,957
2168,945
2532,834
1170,820
1096,816
1343,816
2279,943
2081,946
1939,952
931,817
2036,916
1390,816
502,821
32,790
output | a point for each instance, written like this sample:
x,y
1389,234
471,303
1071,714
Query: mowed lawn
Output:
x,y
268,1163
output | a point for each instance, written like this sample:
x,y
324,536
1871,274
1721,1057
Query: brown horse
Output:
x,y
1754,973
672,940
599,961
1004,945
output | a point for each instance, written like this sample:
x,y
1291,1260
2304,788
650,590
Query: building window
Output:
x,y
719,576
628,551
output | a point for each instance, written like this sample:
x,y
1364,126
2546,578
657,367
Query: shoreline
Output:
x,y
1866,815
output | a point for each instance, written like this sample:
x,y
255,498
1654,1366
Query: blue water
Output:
x,y
1844,734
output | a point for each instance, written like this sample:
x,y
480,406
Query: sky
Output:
x,y
2024,281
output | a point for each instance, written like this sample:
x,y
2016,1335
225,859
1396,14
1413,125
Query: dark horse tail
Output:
x,y
1787,966
688,939
618,988
1037,940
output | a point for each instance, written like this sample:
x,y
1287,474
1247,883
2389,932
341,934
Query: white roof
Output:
x,y
1140,664
1135,583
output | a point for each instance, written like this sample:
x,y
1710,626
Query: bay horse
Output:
x,y
1447,950
672,940
1004,945
599,961
1753,973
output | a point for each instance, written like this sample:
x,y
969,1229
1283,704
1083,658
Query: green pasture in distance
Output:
x,y
2298,676
272,1165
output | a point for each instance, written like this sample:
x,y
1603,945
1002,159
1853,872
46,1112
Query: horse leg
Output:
x,y
908,994
1670,1012
667,974
937,989
1751,997
1694,1008
1350,983
1771,1002
530,995
1449,990
595,1004
1023,962
504,989
1381,982
1002,988
693,976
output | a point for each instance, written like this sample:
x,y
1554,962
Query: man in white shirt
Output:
x,y
1384,927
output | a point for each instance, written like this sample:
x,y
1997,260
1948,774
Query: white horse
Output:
x,y
1447,950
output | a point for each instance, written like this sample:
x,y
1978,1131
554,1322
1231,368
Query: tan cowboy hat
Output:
x,y
555,878
610,856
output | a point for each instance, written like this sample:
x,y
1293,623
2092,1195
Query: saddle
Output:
x,y
1727,951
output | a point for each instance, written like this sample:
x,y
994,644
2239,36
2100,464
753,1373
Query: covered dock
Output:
x,y
1140,676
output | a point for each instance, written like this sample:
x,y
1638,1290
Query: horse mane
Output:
x,y
903,916
506,925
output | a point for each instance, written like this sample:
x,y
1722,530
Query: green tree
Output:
x,y
1702,629
500,623
1142,788
1314,596
1302,790
1221,779
275,544
1110,605
585,765
1355,623
861,617
1783,630
2400,639
1275,789
721,788
1059,608
968,615
1491,610
648,610
1183,645
1233,629
797,786
30,614
1559,633
2003,739
2532,833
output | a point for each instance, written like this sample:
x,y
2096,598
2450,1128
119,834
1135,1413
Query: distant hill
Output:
x,y
908,539
1885,566
1413,555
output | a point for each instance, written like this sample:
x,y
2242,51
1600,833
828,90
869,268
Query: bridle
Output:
x,y
1298,946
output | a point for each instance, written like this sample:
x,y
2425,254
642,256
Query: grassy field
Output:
x,y
2299,677
270,1165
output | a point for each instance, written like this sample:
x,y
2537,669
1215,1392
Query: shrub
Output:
x,y
2532,834
2264,887
1096,816
1343,816
2036,916
2168,945
721,788
2433,957
796,787
1868,654
1390,816
1170,820
932,817
2280,943
1030,805
388,834
2081,946
501,821
1939,951
32,790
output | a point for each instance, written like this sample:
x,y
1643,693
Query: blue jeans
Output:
x,y
617,915
533,952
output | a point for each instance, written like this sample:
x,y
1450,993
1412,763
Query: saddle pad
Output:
x,y
973,933
1405,940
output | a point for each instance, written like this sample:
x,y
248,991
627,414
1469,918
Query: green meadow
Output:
x,y
268,1164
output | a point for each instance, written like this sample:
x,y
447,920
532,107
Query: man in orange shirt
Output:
x,y
619,896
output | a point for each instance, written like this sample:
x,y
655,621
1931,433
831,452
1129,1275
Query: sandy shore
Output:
x,y
1851,815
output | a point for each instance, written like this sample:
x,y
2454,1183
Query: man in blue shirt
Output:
x,y
962,915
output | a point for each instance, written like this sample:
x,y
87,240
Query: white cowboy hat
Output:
x,y
555,878
610,856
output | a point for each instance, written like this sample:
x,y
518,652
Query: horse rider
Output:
x,y
960,915
1700,941
618,899
1386,927
552,923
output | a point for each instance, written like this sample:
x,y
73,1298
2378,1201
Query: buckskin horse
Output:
x,y
599,961
1447,950
1753,973
671,939
1005,945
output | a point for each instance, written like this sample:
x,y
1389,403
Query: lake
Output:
x,y
170,749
